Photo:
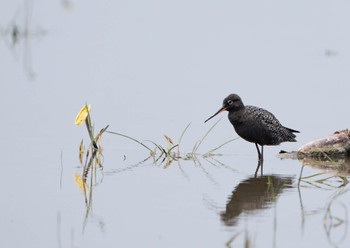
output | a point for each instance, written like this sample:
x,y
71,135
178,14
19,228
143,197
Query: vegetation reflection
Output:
x,y
334,212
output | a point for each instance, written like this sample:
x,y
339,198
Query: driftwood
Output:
x,y
334,146
331,153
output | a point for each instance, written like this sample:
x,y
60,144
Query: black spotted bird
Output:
x,y
255,124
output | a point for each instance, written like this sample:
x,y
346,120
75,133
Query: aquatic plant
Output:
x,y
93,156
168,153
161,154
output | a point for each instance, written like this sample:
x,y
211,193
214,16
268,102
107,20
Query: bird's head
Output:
x,y
231,103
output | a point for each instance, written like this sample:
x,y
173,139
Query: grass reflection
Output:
x,y
334,212
333,221
247,243
20,30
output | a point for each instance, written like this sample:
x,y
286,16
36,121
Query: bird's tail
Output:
x,y
292,130
289,134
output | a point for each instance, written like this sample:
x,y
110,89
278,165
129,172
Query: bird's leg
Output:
x,y
257,169
261,166
260,159
259,154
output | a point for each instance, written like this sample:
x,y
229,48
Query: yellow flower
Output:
x,y
79,181
82,115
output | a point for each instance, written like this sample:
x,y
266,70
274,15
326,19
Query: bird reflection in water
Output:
x,y
253,194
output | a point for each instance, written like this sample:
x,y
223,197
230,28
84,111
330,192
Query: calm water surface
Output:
x,y
150,68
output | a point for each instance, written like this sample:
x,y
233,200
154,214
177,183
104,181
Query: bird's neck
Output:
x,y
235,116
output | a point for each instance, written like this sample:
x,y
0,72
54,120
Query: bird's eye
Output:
x,y
229,102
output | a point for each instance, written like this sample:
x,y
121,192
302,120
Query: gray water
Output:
x,y
150,68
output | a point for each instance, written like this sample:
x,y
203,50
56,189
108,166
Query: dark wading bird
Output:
x,y
255,124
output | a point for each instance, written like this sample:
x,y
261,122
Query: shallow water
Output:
x,y
150,68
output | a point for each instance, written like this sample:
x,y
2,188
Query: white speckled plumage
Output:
x,y
255,124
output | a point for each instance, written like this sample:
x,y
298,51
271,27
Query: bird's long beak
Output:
x,y
220,110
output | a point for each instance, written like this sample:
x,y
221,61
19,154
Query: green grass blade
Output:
x,y
128,137
205,135
213,150
314,175
183,132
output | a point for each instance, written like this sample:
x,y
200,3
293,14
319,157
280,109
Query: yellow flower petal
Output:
x,y
83,114
79,181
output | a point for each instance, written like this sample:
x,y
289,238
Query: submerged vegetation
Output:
x,y
158,152
168,152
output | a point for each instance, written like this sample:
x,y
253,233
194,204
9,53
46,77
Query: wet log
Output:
x,y
336,145
331,154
